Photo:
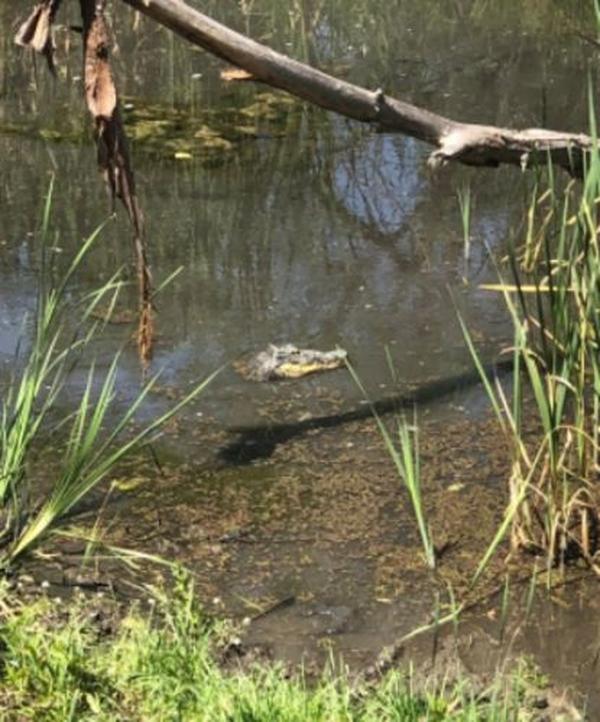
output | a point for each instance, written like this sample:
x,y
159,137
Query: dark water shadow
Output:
x,y
254,443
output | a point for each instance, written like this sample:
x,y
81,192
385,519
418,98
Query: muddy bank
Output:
x,y
95,648
325,522
326,560
314,551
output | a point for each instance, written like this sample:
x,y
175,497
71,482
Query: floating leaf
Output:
x,y
236,75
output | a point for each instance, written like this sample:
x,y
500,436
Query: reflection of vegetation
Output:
x,y
170,132
209,134
433,54
32,130
29,402
165,666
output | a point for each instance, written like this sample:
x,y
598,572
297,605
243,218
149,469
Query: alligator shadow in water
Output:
x,y
253,443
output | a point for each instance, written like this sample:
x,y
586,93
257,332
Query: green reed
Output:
x,y
29,403
402,445
551,290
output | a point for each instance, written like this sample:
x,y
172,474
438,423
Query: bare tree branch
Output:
x,y
472,144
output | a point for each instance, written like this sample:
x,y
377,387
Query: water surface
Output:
x,y
294,225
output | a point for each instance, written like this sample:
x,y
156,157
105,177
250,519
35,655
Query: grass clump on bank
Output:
x,y
402,446
173,663
551,415
96,436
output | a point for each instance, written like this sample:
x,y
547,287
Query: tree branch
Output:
x,y
472,144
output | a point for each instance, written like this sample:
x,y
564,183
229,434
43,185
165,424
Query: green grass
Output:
x,y
163,665
97,438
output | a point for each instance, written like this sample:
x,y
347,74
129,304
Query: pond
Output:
x,y
294,225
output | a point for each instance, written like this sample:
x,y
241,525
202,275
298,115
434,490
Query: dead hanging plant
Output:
x,y
113,154
36,31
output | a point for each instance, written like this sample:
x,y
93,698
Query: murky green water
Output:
x,y
295,225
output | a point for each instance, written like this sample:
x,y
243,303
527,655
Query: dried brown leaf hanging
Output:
x,y
36,31
113,154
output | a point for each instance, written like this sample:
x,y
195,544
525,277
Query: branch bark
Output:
x,y
472,144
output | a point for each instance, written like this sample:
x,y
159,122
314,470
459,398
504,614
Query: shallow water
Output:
x,y
294,225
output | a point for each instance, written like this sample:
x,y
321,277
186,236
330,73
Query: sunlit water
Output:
x,y
314,230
